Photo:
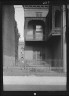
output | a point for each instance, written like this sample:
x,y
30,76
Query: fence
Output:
x,y
46,66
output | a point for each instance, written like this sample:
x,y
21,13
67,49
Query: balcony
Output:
x,y
41,37
34,37
55,32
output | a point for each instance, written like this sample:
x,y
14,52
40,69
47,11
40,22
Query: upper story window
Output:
x,y
35,30
57,18
38,28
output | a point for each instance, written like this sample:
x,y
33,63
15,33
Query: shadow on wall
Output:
x,y
8,25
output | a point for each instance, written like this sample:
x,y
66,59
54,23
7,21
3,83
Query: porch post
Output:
x,y
64,39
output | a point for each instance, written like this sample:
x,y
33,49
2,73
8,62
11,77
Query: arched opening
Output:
x,y
36,29
57,18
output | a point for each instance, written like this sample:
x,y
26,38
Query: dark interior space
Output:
x,y
50,51
57,18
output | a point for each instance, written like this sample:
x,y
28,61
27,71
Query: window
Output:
x,y
38,28
35,30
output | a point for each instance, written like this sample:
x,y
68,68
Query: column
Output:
x,y
64,40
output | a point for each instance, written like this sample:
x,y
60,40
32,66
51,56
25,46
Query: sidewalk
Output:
x,y
30,83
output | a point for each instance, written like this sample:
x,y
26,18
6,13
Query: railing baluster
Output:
x,y
46,65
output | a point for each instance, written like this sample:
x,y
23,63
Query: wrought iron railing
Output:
x,y
47,65
43,68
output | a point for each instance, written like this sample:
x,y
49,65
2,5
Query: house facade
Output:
x,y
44,35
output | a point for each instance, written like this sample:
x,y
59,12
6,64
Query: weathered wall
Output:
x,y
36,51
17,35
48,53
8,35
34,12
53,46
57,52
20,50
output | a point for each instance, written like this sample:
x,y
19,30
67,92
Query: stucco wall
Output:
x,y
33,12
8,35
